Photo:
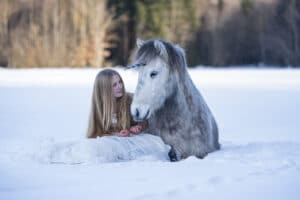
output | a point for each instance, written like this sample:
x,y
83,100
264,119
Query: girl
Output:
x,y
110,110
110,117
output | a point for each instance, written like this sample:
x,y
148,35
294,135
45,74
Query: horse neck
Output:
x,y
190,95
182,103
178,102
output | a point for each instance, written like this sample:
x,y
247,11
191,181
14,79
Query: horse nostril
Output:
x,y
146,116
137,113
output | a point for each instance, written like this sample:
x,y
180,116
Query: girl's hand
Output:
x,y
124,133
136,129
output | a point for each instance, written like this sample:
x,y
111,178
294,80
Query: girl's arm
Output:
x,y
124,133
139,127
95,135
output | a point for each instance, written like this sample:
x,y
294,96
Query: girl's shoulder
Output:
x,y
129,98
129,94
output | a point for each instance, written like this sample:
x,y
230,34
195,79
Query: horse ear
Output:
x,y
139,43
160,47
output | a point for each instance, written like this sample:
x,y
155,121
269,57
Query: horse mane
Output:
x,y
175,58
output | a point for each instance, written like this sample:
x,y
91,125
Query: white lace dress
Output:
x,y
104,149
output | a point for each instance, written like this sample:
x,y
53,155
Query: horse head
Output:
x,y
159,66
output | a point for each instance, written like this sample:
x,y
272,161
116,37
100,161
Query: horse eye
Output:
x,y
153,74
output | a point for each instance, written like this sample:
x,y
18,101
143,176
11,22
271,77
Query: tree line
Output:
x,y
94,33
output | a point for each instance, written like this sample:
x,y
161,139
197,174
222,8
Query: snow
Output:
x,y
44,153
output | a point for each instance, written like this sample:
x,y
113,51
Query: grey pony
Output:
x,y
183,119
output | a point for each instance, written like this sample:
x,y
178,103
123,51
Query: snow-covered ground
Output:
x,y
44,114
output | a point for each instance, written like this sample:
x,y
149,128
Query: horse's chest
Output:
x,y
168,124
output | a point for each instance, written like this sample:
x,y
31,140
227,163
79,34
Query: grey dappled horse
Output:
x,y
166,96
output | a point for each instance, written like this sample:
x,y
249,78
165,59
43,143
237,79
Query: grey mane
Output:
x,y
175,60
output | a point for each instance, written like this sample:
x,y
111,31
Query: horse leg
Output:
x,y
173,155
201,155
202,150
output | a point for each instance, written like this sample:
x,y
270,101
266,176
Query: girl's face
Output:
x,y
117,86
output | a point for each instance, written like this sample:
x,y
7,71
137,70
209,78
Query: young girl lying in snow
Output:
x,y
111,123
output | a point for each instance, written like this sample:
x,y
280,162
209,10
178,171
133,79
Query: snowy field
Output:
x,y
44,154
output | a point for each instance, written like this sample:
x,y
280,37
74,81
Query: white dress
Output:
x,y
103,150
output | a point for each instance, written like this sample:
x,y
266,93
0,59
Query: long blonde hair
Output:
x,y
104,104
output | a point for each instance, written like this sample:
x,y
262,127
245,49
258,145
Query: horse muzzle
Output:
x,y
140,113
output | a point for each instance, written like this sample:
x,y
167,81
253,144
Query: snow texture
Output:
x,y
44,153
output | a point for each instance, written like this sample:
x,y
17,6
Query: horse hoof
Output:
x,y
172,156
201,156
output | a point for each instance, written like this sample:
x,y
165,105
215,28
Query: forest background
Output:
x,y
99,33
